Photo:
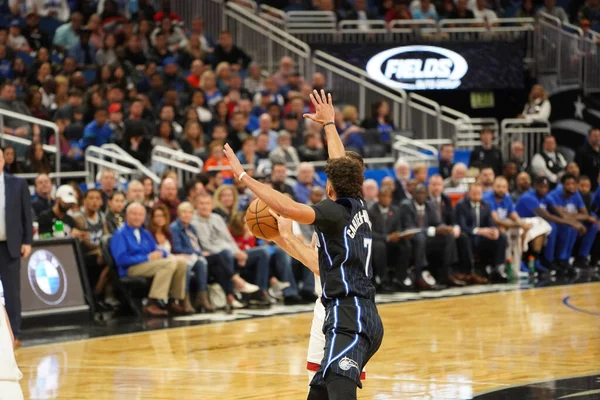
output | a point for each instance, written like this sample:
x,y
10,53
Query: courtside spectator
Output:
x,y
186,243
443,207
115,215
420,172
389,269
517,155
108,182
91,221
486,154
446,160
168,197
370,192
65,201
548,162
474,217
435,240
42,199
136,254
588,157
486,179
402,171
215,238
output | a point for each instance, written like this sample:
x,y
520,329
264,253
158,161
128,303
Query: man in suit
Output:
x,y
475,219
445,211
385,222
402,170
15,214
435,240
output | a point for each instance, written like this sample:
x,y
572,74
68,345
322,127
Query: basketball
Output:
x,y
260,222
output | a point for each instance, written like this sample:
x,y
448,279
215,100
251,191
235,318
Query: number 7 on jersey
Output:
x,y
368,246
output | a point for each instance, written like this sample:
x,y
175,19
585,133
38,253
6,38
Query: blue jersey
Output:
x,y
345,243
528,203
596,201
502,208
556,198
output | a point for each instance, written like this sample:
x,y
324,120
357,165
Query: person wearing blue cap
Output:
x,y
173,78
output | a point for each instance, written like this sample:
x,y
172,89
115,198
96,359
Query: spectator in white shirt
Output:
x,y
481,12
538,107
549,163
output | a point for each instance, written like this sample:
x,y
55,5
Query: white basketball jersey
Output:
x,y
9,371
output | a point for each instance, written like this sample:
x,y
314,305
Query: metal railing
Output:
x,y
415,151
186,165
25,141
468,131
530,133
98,158
211,11
265,42
591,63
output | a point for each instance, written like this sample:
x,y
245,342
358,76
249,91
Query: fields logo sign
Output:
x,y
418,68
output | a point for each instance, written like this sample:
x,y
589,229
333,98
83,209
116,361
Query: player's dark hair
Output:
x,y
356,157
346,176
566,177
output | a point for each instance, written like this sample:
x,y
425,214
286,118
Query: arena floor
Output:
x,y
500,345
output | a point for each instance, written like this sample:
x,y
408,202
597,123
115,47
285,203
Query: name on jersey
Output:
x,y
359,219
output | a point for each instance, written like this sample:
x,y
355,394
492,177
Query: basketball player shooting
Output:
x,y
353,329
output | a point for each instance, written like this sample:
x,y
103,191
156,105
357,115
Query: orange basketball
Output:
x,y
260,222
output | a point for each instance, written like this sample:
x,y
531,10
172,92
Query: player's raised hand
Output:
x,y
236,166
284,225
324,111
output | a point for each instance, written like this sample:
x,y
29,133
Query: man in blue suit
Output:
x,y
15,212
474,217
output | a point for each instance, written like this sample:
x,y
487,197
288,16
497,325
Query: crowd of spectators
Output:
x,y
585,13
489,219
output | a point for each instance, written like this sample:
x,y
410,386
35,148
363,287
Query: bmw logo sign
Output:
x,y
47,277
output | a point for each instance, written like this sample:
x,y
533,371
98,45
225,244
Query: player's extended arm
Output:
x,y
556,219
324,112
295,246
504,223
278,202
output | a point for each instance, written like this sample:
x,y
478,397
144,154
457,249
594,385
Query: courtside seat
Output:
x,y
131,290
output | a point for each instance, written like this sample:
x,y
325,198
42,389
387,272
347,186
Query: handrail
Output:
x,y
52,175
179,154
136,164
403,140
38,121
261,22
551,18
370,26
119,150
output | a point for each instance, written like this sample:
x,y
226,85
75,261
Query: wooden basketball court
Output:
x,y
448,348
